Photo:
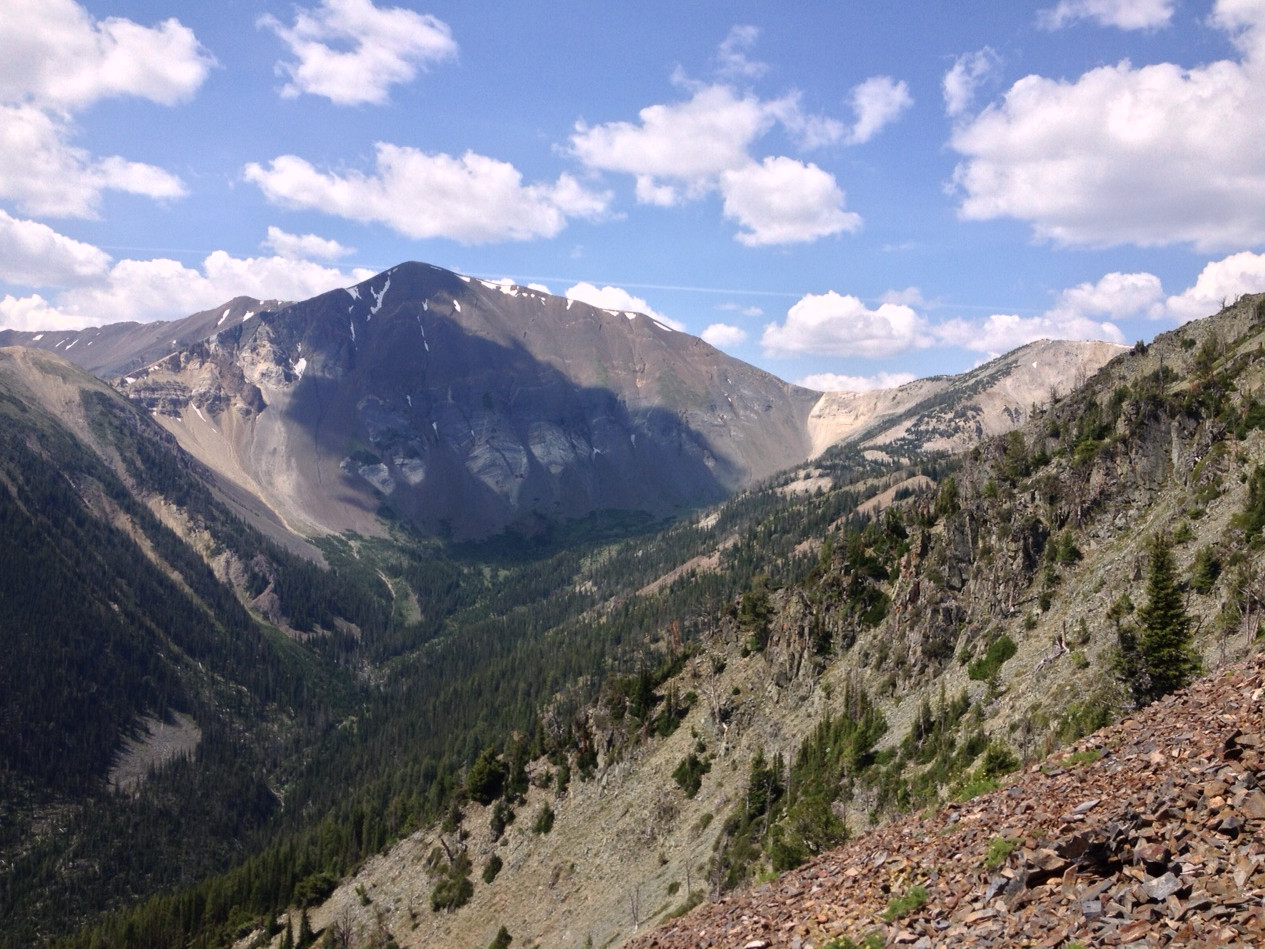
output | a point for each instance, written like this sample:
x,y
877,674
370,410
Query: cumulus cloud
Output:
x,y
830,324
57,56
353,52
1117,296
163,289
619,300
877,102
834,382
1122,14
967,74
724,335
303,246
784,201
683,151
1003,332
472,199
1086,311
1152,156
35,255
677,151
1220,282
55,59
44,174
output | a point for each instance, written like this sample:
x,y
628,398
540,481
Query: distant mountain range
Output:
x,y
467,407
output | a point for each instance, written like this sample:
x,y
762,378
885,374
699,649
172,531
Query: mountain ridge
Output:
x,y
528,410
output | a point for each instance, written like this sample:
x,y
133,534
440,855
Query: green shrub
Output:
x,y
492,867
544,820
901,906
988,665
689,773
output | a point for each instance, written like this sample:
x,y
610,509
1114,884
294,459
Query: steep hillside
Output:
x,y
1148,833
919,652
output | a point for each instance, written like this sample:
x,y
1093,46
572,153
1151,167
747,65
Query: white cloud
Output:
x,y
1122,14
1085,311
56,55
678,151
1220,282
784,201
33,313
723,335
56,59
1151,156
45,174
472,199
731,58
619,300
162,289
834,382
1003,332
750,310
683,151
829,324
877,102
967,74
34,255
910,296
540,287
352,52
304,246
1117,296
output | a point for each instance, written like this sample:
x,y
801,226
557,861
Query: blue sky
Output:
x,y
846,194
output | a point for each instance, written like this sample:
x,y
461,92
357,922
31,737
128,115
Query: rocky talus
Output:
x,y
1148,833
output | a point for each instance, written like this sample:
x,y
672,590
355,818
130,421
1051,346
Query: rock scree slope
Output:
x,y
1146,833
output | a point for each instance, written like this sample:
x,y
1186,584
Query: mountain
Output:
x,y
953,413
928,635
119,348
204,704
466,407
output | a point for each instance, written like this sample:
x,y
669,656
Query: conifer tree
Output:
x,y
1167,661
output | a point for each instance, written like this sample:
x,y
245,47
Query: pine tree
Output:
x,y
1167,659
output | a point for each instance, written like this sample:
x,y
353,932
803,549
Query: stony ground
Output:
x,y
1148,833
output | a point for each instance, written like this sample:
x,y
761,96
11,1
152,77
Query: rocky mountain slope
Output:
x,y
119,348
1149,832
467,407
936,637
953,413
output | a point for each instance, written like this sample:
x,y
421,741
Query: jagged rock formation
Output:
x,y
119,348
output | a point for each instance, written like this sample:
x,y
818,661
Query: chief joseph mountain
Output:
x,y
437,611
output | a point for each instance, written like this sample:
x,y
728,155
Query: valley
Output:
x,y
584,600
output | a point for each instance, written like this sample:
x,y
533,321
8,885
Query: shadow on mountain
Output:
x,y
465,437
